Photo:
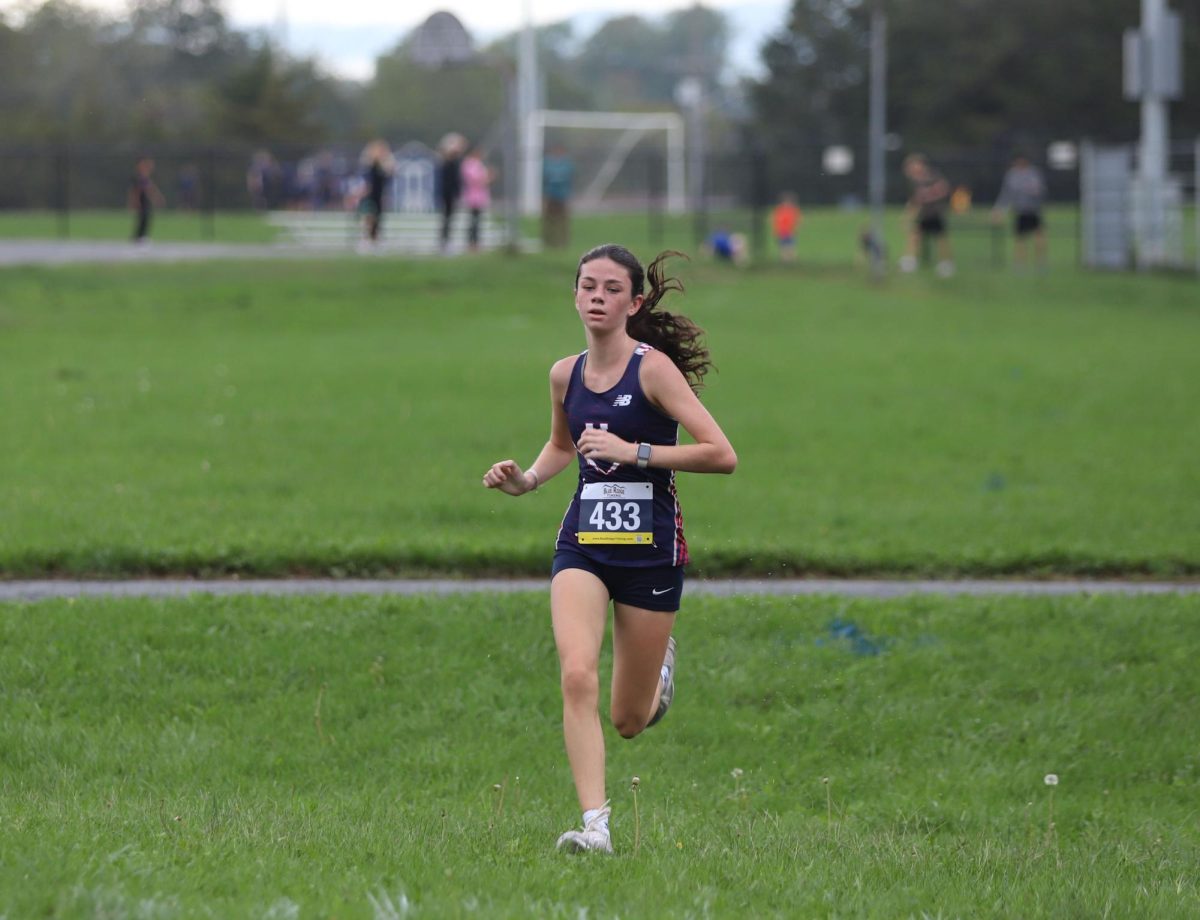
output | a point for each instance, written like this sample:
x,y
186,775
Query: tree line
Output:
x,y
962,74
178,71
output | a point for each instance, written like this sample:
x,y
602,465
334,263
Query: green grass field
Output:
x,y
387,758
168,225
341,757
336,417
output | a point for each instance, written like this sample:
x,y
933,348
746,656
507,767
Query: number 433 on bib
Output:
x,y
616,512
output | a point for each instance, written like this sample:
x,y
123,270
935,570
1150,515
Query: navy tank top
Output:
x,y
622,515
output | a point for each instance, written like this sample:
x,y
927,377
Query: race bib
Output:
x,y
617,512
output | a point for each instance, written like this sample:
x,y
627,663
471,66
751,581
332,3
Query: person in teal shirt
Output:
x,y
558,172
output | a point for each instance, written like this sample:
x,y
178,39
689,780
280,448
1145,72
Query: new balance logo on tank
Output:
x,y
623,400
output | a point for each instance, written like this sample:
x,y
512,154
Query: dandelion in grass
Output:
x,y
498,789
1051,780
737,775
637,820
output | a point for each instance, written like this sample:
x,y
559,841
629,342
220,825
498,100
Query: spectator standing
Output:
x,y
262,181
450,181
477,178
144,196
1024,193
188,185
378,167
785,219
926,213
558,175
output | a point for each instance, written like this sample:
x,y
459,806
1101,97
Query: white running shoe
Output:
x,y
668,684
908,264
945,269
594,835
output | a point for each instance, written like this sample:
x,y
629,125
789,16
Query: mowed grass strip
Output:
x,y
336,418
172,226
381,757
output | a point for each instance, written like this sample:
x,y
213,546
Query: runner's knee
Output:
x,y
580,683
628,724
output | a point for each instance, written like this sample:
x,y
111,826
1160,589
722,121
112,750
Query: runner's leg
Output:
x,y
579,610
639,645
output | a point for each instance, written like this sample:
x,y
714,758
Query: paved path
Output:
x,y
71,252
74,252
868,588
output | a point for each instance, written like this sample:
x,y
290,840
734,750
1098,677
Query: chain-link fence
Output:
x,y
737,185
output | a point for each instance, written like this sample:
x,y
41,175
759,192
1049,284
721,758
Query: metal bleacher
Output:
x,y
415,234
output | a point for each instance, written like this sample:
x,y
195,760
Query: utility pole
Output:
x,y
877,128
527,132
1153,77
1152,153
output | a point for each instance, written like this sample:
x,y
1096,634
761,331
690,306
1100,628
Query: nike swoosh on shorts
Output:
x,y
656,592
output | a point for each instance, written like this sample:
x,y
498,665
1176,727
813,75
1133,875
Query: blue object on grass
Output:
x,y
860,643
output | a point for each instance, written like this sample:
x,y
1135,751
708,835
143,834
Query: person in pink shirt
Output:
x,y
476,178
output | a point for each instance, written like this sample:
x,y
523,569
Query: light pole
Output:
x,y
877,128
1153,77
527,82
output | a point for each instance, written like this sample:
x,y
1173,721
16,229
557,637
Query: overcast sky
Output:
x,y
346,35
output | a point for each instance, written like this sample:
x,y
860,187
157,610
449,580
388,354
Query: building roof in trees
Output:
x,y
441,39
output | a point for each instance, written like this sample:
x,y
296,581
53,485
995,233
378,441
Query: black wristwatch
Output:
x,y
643,455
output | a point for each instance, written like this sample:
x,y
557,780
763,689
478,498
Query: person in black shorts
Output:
x,y
378,166
451,148
616,412
926,212
1024,193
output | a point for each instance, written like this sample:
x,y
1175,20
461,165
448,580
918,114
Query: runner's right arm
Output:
x,y
558,453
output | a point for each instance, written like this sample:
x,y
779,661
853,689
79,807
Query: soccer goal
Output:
x,y
631,127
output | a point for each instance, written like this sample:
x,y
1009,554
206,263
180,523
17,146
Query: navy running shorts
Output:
x,y
658,587
933,225
1027,222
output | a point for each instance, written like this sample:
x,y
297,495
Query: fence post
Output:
x,y
210,195
700,206
654,211
758,201
62,169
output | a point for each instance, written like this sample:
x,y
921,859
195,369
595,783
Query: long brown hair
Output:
x,y
673,334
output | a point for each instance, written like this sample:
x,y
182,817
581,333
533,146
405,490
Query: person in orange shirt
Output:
x,y
785,218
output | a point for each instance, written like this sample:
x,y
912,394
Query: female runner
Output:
x,y
617,408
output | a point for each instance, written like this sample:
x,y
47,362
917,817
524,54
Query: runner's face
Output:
x,y
603,296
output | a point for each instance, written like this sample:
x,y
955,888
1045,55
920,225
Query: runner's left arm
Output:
x,y
666,387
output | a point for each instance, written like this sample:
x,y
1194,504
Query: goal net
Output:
x,y
620,158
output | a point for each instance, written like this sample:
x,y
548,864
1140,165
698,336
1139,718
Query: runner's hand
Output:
x,y
598,444
508,477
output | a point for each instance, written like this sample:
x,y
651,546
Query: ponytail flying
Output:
x,y
673,334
